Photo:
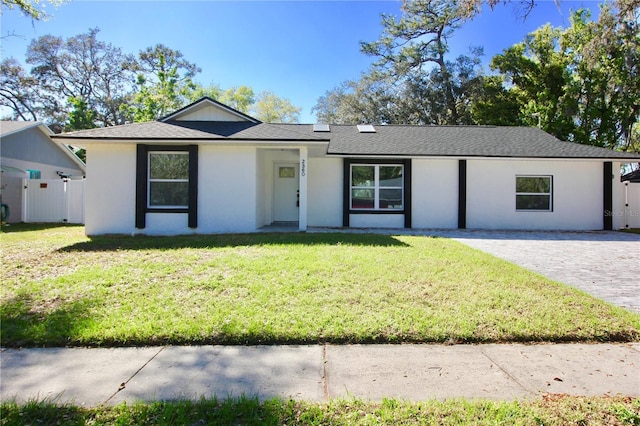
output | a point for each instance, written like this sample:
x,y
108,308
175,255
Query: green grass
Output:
x,y
552,410
631,230
61,288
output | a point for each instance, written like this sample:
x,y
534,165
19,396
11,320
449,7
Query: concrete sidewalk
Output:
x,y
320,372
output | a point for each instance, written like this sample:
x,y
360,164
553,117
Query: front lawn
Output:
x,y
62,288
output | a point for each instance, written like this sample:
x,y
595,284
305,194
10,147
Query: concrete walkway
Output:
x,y
320,372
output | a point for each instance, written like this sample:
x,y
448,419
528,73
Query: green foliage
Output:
x,y
495,104
35,9
580,84
84,83
163,83
80,117
240,98
199,91
271,108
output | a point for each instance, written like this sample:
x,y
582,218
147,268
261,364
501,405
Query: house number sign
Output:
x,y
303,168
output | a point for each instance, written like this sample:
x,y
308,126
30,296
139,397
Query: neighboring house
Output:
x,y
208,168
28,152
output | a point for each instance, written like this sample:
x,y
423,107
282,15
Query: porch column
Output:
x,y
302,219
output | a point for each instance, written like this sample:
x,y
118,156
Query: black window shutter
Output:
x,y
141,185
407,194
462,194
193,186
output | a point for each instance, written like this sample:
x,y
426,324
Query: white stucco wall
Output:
x,y
226,186
577,195
376,221
110,191
434,193
325,192
226,189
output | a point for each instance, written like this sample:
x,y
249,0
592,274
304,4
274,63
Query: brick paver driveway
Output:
x,y
604,264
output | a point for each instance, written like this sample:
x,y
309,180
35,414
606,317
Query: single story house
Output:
x,y
28,152
208,168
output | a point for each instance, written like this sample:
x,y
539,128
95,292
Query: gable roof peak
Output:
x,y
207,102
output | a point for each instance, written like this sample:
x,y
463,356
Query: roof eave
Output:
x,y
186,141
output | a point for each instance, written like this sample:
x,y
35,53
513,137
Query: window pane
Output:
x,y
533,202
391,176
362,175
169,194
169,166
362,198
287,172
533,184
391,198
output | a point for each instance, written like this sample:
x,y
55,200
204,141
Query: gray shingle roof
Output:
x,y
462,141
195,130
7,127
391,140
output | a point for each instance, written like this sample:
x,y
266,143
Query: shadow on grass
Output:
x,y
28,227
30,322
246,410
140,242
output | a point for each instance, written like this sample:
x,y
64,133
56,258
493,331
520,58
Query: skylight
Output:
x,y
321,127
366,128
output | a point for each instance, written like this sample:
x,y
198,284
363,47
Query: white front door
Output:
x,y
286,192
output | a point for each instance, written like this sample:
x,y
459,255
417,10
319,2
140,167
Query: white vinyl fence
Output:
x,y
53,200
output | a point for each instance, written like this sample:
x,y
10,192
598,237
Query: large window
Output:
x,y
377,186
168,179
534,193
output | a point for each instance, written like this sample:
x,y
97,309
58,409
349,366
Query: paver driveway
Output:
x,y
604,264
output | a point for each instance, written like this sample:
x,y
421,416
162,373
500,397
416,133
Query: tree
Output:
x,y
19,91
199,91
413,81
240,98
410,46
81,116
372,99
35,9
271,108
163,84
80,67
580,84
495,104
536,69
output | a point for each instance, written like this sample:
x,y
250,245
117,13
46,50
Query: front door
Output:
x,y
285,192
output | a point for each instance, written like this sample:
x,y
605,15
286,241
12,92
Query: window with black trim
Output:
x,y
377,187
534,193
168,179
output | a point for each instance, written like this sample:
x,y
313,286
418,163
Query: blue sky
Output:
x,y
297,49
